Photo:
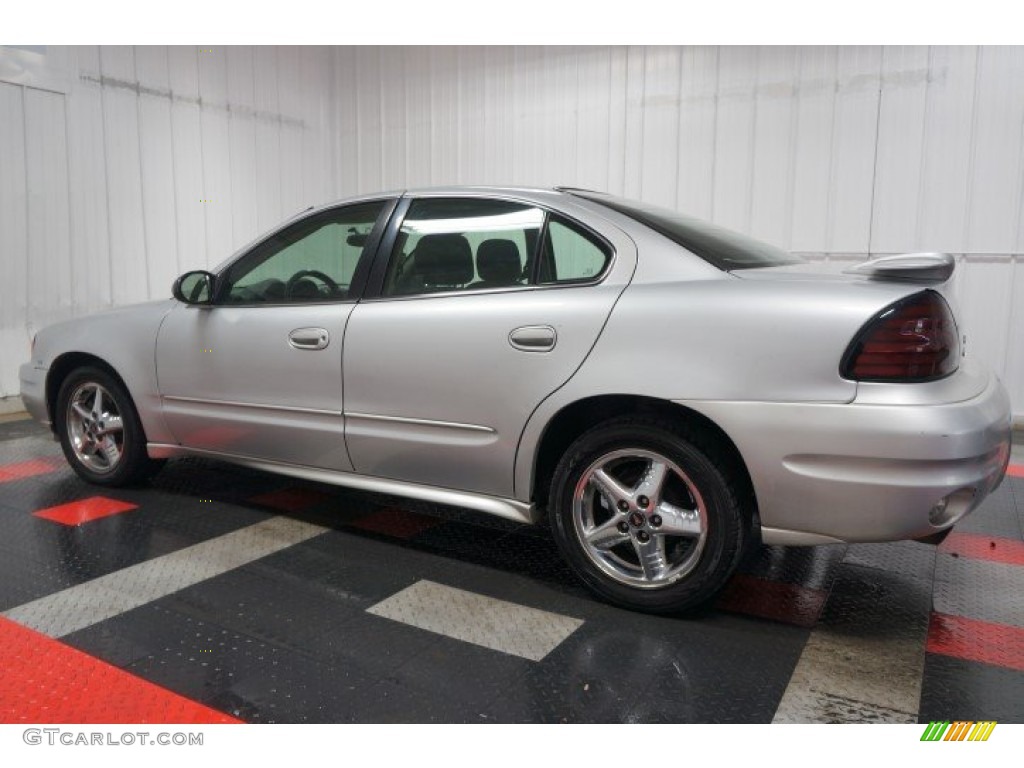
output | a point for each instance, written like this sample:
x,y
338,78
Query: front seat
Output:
x,y
498,264
440,262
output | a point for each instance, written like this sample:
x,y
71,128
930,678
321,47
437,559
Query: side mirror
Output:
x,y
194,287
357,239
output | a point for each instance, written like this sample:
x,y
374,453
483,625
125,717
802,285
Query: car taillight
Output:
x,y
914,339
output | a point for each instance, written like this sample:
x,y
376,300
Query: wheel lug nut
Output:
x,y
643,501
623,506
655,520
623,527
643,537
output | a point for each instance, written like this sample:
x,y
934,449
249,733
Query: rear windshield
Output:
x,y
721,247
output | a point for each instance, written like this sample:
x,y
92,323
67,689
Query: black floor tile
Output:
x,y
955,689
811,567
483,546
279,676
911,559
872,603
397,701
998,515
347,570
15,430
1016,486
455,680
666,670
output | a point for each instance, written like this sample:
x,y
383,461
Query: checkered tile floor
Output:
x,y
217,594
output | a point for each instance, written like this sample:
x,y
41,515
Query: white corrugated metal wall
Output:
x,y
120,167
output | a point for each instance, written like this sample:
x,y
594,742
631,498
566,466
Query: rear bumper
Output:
x,y
33,391
859,472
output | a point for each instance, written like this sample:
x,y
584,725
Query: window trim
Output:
x,y
359,277
375,285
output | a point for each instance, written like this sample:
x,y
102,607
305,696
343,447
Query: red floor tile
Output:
x,y
973,640
1015,470
31,468
290,499
991,548
397,523
84,511
775,600
44,681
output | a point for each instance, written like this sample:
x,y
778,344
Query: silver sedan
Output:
x,y
665,392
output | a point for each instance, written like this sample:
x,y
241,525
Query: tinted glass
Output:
x,y
314,260
454,244
575,255
722,247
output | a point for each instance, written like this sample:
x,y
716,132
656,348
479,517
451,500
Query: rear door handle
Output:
x,y
533,338
309,338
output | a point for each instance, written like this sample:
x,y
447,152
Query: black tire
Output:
x,y
134,464
706,468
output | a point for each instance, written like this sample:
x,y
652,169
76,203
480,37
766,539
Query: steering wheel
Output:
x,y
334,288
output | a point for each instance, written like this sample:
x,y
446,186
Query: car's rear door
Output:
x,y
258,373
485,307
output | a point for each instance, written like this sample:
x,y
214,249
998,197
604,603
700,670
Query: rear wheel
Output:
x,y
648,517
100,431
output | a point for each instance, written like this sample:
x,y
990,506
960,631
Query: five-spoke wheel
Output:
x,y
99,429
642,521
95,427
649,516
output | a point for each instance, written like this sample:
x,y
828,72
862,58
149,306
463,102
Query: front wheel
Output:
x,y
648,517
100,431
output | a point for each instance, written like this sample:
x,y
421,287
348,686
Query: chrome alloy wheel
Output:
x,y
95,428
640,518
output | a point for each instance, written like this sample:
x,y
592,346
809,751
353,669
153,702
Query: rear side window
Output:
x,y
454,244
467,244
721,247
571,254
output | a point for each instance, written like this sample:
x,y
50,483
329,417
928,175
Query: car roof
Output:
x,y
522,192
481,189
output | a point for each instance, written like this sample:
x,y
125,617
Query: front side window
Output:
x,y
312,261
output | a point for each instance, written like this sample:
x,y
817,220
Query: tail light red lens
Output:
x,y
915,339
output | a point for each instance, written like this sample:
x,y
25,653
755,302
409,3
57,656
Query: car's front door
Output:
x,y
487,306
258,373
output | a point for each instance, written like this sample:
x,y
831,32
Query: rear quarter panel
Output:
x,y
720,340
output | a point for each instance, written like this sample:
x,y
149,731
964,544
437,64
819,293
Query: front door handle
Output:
x,y
533,338
309,338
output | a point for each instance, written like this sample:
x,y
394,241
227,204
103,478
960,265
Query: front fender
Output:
x,y
124,339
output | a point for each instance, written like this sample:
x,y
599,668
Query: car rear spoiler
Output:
x,y
909,267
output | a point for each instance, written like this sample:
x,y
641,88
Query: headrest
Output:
x,y
497,261
444,259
